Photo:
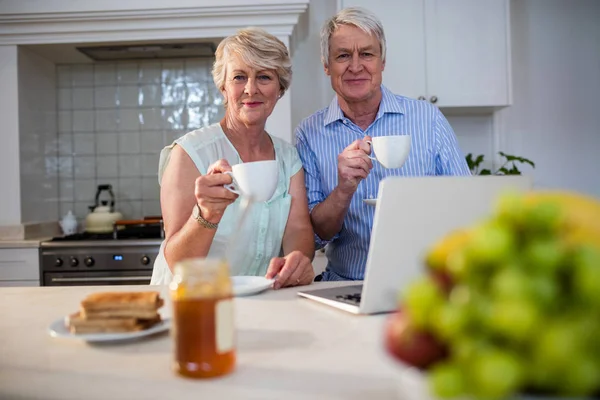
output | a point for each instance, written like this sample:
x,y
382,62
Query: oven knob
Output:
x,y
58,262
145,260
89,261
74,262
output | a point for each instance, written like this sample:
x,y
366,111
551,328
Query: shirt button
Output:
x,y
346,121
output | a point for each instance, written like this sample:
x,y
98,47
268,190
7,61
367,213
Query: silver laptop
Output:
x,y
411,214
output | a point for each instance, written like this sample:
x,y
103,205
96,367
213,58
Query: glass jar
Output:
x,y
203,318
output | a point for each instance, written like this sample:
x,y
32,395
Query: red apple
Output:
x,y
409,345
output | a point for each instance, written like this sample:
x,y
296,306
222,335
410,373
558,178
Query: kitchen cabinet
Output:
x,y
19,267
451,53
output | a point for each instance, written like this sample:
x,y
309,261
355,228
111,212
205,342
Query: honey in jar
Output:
x,y
203,318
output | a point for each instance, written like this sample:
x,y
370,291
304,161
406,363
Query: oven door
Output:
x,y
97,278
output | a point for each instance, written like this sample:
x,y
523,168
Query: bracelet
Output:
x,y
197,214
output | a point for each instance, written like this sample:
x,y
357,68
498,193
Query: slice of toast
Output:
x,y
118,313
149,300
76,323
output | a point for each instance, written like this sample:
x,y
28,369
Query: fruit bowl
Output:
x,y
413,385
508,306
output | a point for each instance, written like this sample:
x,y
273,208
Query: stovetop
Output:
x,y
130,236
127,234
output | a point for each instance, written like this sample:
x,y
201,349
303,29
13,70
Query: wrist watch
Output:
x,y
197,215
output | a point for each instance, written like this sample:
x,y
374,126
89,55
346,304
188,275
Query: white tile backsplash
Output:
x,y
129,119
107,167
129,166
107,120
127,73
65,144
65,119
129,96
129,189
151,140
151,119
106,143
113,120
65,190
105,74
129,143
150,188
105,97
85,191
149,165
197,71
84,144
64,99
82,75
151,207
83,98
83,121
150,72
64,167
84,167
150,95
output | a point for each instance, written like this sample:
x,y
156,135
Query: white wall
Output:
x,y
311,89
37,137
475,135
555,116
9,150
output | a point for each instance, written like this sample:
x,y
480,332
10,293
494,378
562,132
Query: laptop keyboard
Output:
x,y
353,298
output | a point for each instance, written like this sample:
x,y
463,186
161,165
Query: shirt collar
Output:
x,y
389,104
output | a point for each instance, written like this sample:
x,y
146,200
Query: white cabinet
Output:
x,y
453,53
19,267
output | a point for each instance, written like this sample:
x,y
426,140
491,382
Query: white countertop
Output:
x,y
21,243
287,348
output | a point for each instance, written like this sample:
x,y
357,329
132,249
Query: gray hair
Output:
x,y
356,16
258,49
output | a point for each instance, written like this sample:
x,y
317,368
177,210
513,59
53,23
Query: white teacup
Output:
x,y
391,151
256,180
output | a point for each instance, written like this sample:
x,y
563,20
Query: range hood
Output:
x,y
149,51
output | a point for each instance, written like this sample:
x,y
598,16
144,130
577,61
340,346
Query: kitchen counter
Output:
x,y
21,244
287,348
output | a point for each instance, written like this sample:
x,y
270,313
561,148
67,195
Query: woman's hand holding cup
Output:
x,y
211,195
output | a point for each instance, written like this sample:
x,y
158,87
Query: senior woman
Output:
x,y
252,70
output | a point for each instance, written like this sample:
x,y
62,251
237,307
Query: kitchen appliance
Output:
x,y
102,216
124,256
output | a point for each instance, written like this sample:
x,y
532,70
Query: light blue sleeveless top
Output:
x,y
262,233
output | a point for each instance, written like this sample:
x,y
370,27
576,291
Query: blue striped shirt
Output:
x,y
321,137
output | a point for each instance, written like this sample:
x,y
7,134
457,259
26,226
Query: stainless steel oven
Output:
x,y
99,259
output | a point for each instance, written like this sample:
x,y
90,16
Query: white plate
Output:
x,y
58,329
371,202
248,285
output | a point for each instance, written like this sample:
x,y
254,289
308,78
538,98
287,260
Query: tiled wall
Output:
x,y
114,118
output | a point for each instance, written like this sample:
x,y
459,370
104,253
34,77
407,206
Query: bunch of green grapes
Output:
x,y
522,312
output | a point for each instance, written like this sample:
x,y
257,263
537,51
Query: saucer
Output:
x,y
59,329
249,285
371,202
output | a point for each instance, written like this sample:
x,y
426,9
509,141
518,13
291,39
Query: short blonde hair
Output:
x,y
355,16
258,49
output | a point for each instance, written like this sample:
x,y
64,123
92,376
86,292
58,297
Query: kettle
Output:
x,y
102,217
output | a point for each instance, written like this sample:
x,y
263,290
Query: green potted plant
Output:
x,y
510,165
